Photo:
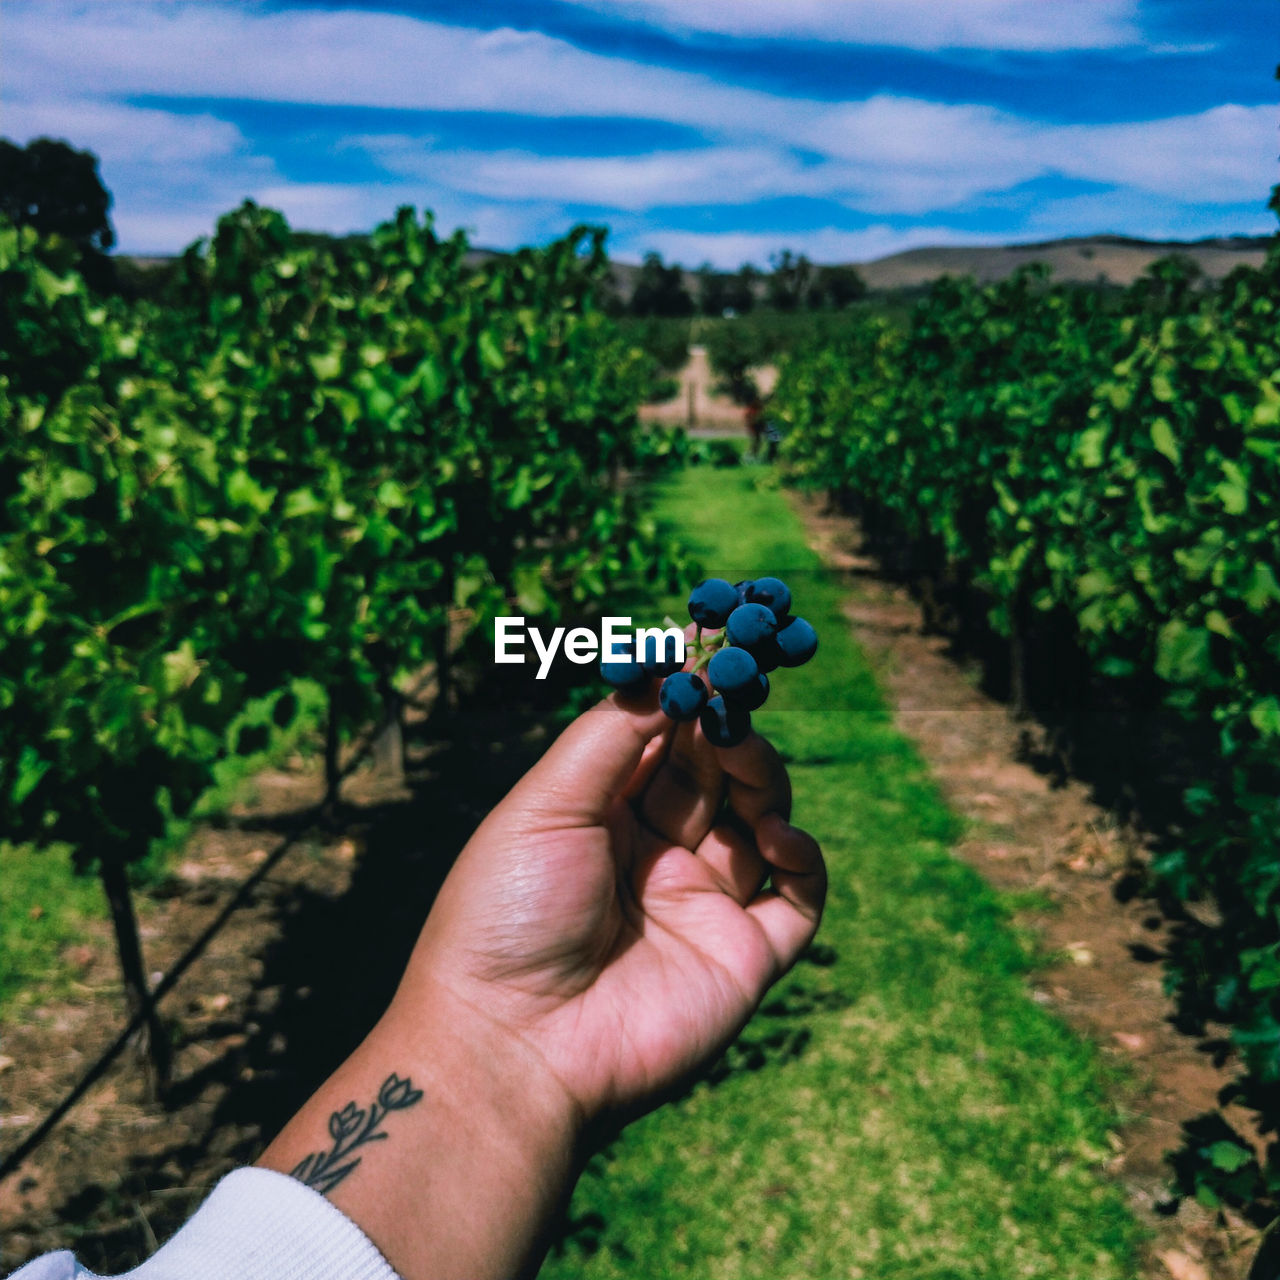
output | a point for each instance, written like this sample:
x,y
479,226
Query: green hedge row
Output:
x,y
301,467
1112,466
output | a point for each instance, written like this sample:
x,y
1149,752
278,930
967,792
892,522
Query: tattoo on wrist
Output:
x,y
350,1128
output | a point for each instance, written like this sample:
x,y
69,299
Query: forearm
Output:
x,y
462,1181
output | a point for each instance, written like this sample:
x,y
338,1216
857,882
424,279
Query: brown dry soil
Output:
x,y
699,407
298,975
1033,834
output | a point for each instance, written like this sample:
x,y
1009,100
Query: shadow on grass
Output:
x,y
780,1032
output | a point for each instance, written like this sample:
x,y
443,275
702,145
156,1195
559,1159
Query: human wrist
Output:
x,y
484,1071
466,1179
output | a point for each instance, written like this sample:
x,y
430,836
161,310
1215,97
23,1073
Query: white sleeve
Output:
x,y
255,1225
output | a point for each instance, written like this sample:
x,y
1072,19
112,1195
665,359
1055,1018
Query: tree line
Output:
x,y
662,290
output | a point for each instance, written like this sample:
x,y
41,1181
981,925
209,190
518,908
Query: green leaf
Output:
x,y
31,768
490,352
243,490
1263,589
301,502
1229,1156
1233,491
1264,715
531,591
1219,624
327,367
391,494
1182,653
73,485
1090,446
429,379
1164,440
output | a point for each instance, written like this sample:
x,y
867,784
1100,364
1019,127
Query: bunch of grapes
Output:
x,y
752,632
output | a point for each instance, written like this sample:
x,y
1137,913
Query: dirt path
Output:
x,y
1030,835
698,407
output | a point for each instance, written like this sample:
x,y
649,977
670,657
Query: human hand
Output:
x,y
609,916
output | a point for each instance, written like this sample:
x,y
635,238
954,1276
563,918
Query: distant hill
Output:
x,y
1104,259
1114,260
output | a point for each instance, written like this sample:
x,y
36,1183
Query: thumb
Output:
x,y
591,762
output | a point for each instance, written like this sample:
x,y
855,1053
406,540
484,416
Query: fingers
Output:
x,y
683,796
758,782
593,761
788,913
655,753
735,862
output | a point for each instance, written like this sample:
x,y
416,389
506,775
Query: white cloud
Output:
x,y
343,58
122,134
887,156
1015,25
718,175
1219,156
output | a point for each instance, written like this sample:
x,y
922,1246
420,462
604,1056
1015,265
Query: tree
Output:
x,y
741,289
836,288
714,288
788,286
56,189
659,290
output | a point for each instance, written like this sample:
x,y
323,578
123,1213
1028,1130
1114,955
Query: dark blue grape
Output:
x,y
742,588
682,696
731,669
662,655
773,593
626,673
751,696
711,602
797,642
750,625
767,654
724,725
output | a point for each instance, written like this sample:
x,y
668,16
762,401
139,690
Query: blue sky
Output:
x,y
709,130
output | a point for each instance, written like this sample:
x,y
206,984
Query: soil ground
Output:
x,y
1030,833
699,407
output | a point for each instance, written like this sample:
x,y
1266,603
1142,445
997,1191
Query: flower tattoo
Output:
x,y
350,1128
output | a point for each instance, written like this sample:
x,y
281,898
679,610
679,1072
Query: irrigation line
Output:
x,y
304,822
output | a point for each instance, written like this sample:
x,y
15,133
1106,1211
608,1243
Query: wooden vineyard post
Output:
x,y
332,740
389,749
1019,627
444,657
115,884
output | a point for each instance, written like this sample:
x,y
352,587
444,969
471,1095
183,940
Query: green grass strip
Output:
x,y
900,1107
